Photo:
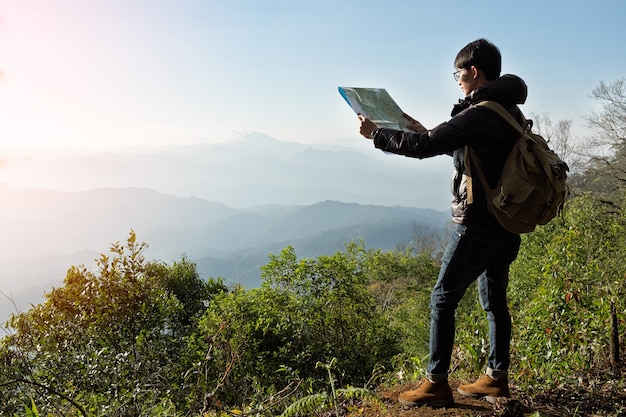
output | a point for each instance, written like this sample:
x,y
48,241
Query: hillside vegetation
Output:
x,y
327,335
39,242
145,338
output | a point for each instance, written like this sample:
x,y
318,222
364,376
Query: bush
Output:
x,y
306,311
564,281
106,342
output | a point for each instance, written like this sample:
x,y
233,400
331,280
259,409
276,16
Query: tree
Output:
x,y
306,311
559,136
606,149
426,239
113,340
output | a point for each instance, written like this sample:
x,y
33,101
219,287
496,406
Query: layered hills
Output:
x,y
225,206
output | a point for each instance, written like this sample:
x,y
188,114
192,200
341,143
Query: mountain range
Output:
x,y
225,206
248,171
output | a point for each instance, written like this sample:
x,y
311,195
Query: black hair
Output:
x,y
482,54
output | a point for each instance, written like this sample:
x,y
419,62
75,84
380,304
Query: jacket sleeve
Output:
x,y
416,145
443,139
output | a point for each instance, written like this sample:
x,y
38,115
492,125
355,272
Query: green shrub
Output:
x,y
306,311
566,276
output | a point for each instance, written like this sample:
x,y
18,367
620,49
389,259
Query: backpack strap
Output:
x,y
471,159
468,175
470,156
498,108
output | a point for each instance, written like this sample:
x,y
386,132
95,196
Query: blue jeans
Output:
x,y
472,254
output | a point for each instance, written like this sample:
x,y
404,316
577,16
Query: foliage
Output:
x,y
320,402
111,340
305,312
401,283
146,338
576,271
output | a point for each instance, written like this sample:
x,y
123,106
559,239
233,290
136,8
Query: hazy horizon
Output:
x,y
64,209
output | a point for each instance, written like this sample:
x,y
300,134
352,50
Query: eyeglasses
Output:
x,y
457,74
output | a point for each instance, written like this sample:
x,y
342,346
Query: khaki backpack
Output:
x,y
531,189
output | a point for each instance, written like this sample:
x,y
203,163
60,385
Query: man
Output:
x,y
479,248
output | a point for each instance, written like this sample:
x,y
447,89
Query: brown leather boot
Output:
x,y
486,387
428,393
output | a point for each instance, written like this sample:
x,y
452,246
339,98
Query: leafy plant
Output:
x,y
32,410
562,286
306,310
111,340
321,402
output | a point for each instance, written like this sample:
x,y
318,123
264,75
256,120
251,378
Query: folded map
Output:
x,y
376,104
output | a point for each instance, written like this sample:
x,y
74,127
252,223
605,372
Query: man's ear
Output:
x,y
475,72
478,75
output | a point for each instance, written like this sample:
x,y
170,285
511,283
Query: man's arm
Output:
x,y
368,127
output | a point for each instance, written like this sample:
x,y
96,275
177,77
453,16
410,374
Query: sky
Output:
x,y
99,74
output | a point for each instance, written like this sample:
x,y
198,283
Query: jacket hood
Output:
x,y
508,90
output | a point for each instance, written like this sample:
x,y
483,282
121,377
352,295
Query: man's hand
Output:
x,y
414,125
367,127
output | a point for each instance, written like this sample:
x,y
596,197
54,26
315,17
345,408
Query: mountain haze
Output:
x,y
225,206
245,172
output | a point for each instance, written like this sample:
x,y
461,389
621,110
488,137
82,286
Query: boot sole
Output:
x,y
488,398
436,404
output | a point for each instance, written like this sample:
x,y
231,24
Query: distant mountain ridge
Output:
x,y
38,246
225,205
244,266
246,172
66,222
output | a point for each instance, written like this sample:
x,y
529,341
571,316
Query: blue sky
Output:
x,y
113,73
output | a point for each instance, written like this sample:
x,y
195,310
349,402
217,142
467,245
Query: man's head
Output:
x,y
477,63
483,55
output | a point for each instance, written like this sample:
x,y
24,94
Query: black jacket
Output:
x,y
486,132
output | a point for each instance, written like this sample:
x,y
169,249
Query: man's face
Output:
x,y
468,79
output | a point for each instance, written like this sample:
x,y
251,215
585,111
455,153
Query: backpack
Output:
x,y
531,189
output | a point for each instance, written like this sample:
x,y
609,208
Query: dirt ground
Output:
x,y
464,406
600,400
